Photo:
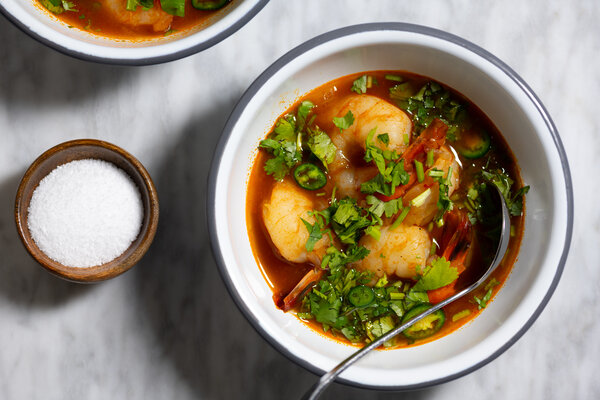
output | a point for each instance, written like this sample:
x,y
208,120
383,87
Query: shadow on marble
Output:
x,y
201,331
38,76
22,280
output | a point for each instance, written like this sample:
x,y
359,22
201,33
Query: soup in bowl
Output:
x,y
135,32
346,195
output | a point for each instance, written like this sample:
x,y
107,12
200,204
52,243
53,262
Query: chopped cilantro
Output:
x,y
360,85
439,274
344,122
304,110
315,233
379,207
321,146
504,183
391,172
285,157
430,102
384,138
348,220
54,6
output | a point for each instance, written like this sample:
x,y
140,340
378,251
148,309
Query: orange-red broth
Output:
x,y
93,17
282,275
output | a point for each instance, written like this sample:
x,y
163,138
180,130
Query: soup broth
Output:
x,y
363,116
113,19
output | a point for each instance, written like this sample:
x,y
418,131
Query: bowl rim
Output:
x,y
91,274
209,42
352,30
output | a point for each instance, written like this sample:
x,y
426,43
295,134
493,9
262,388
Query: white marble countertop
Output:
x,y
168,329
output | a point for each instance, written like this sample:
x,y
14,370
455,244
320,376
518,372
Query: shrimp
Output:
x,y
425,212
370,113
156,17
397,252
282,217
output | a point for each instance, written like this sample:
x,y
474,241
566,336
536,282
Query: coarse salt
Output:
x,y
85,213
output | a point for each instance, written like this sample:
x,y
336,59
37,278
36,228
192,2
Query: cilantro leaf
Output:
x,y
54,6
314,234
439,274
430,102
504,183
348,220
379,207
322,147
285,129
277,167
384,138
285,157
516,202
344,122
304,109
360,85
324,311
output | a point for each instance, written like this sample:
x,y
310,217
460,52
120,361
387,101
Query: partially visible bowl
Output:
x,y
79,150
30,17
508,102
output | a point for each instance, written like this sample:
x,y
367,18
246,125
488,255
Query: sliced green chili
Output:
x,y
308,176
361,296
426,327
474,144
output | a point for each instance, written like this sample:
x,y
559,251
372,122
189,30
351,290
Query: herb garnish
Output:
x,y
344,122
288,139
430,102
360,85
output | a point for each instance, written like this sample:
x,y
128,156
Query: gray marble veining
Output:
x,y
168,329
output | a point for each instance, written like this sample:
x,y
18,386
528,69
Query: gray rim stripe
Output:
x,y
142,61
294,53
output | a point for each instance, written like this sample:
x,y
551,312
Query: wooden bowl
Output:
x,y
86,149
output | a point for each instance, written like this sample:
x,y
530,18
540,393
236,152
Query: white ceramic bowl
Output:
x,y
509,103
40,24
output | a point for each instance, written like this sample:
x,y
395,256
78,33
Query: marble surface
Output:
x,y
168,329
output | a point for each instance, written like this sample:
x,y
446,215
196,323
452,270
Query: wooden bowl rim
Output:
x,y
112,268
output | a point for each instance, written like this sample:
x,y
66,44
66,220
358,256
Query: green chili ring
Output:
x,y
209,4
308,176
361,296
426,327
476,147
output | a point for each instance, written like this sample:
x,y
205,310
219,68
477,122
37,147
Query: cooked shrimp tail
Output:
x,y
433,137
306,283
457,236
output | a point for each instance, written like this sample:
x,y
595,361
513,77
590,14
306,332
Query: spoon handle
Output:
x,y
315,391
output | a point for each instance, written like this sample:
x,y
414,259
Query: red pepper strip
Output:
x,y
431,138
456,238
306,283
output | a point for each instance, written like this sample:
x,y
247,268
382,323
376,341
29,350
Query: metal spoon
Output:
x,y
317,389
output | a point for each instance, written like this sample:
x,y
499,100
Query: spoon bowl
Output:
x,y
315,391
